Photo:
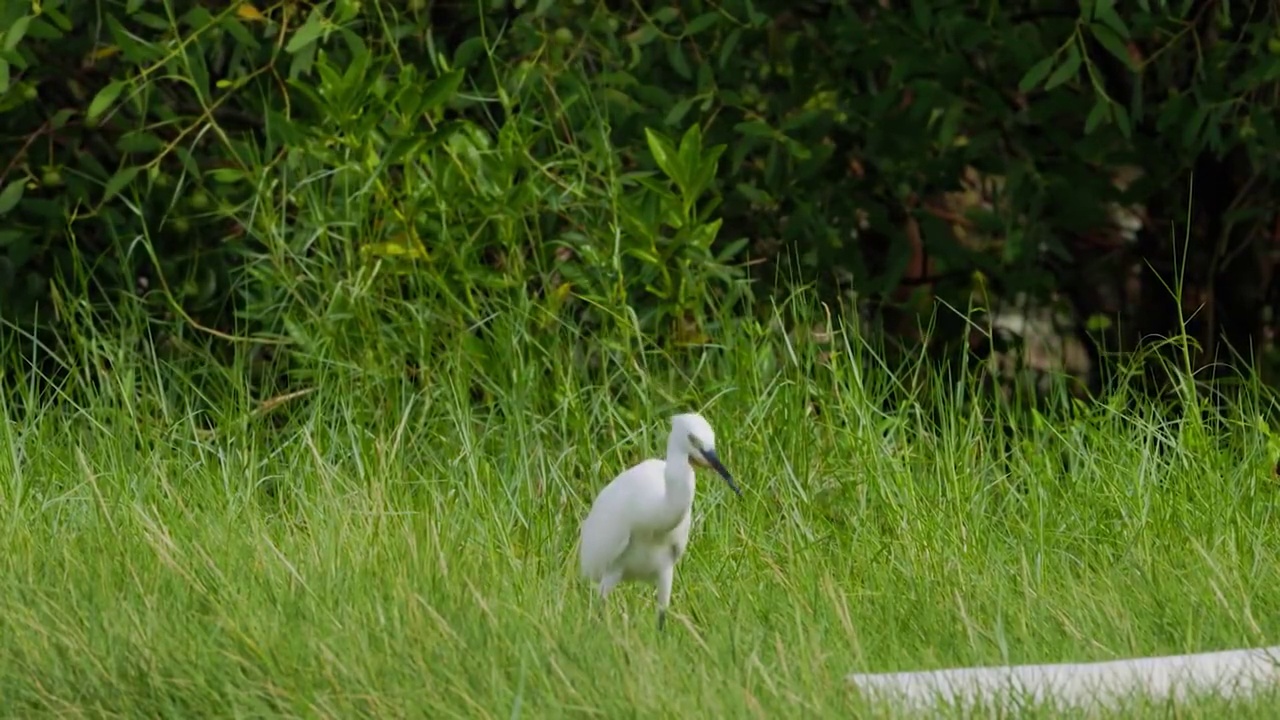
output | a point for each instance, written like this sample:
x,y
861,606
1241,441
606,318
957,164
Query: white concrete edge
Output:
x,y
1229,674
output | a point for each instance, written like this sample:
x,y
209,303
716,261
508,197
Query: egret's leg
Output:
x,y
665,576
608,582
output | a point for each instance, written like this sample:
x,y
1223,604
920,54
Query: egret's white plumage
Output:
x,y
638,527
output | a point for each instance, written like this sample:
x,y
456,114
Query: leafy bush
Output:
x,y
298,174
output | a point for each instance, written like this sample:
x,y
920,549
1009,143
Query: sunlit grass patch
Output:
x,y
395,549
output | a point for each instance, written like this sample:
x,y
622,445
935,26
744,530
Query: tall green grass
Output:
x,y
378,546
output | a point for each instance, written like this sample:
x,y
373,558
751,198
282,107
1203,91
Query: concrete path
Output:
x,y
1231,674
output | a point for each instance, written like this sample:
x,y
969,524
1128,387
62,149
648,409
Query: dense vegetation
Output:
x,y
253,176
322,321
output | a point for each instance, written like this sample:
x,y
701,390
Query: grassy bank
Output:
x,y
395,549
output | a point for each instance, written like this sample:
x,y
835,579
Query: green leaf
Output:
x,y
664,154
133,48
676,115
706,168
11,195
117,182
61,118
690,153
704,235
798,150
468,52
1035,74
16,31
139,141
281,131
302,62
1067,70
701,23
357,67
1104,12
41,29
653,186
197,72
398,150
642,35
755,128
227,176
239,32
197,18
1112,42
950,126
1191,131
151,20
1100,113
706,78
1121,117
754,194
307,34
679,63
440,91
666,14
730,44
731,251
104,98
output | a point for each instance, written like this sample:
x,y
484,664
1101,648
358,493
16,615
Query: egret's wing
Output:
x,y
602,543
605,533
607,530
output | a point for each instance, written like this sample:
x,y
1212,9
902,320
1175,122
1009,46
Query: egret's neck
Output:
x,y
679,478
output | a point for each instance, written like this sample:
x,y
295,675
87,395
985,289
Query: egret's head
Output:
x,y
700,444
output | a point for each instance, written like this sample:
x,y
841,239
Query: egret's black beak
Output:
x,y
714,461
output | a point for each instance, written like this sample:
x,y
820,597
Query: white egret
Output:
x,y
638,526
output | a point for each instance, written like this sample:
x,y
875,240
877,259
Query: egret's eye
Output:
x,y
694,442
